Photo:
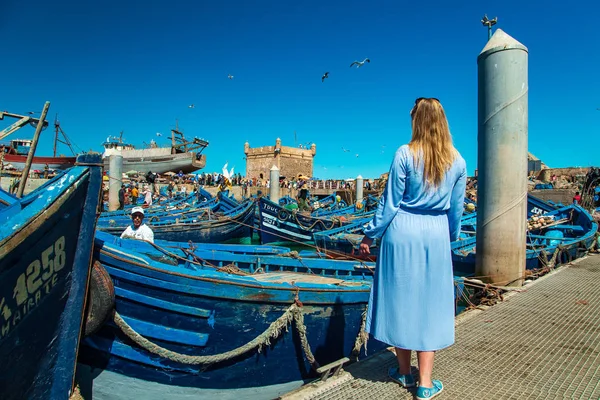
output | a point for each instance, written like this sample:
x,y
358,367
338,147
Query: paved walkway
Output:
x,y
542,343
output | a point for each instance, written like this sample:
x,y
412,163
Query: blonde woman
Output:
x,y
412,300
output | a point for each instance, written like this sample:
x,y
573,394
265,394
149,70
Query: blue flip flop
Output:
x,y
407,381
425,393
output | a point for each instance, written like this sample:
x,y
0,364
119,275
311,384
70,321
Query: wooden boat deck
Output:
x,y
542,342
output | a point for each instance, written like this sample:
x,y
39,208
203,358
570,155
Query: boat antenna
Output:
x,y
489,23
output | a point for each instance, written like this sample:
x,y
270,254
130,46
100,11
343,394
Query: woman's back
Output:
x,y
416,194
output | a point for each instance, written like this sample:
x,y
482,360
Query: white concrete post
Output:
x,y
359,189
274,185
115,175
502,160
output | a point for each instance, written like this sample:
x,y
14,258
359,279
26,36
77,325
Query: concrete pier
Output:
x,y
274,184
502,160
115,176
540,343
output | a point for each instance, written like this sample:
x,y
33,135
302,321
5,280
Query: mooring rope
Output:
x,y
76,394
275,329
362,338
308,228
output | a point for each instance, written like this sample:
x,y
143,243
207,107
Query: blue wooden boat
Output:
x,y
342,242
206,210
537,206
277,224
323,203
234,224
564,241
202,198
157,214
218,303
45,250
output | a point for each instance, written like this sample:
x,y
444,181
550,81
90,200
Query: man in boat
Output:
x,y
138,230
122,197
147,197
135,193
302,198
303,204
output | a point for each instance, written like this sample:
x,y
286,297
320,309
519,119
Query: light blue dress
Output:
x,y
412,299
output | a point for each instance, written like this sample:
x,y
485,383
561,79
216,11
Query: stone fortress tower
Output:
x,y
291,161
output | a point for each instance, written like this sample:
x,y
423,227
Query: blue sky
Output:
x,y
135,66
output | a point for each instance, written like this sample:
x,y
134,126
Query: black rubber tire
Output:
x,y
100,299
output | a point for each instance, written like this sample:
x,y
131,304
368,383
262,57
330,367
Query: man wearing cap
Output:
x,y
138,230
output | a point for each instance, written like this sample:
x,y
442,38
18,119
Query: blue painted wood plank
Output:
x,y
160,332
162,304
120,349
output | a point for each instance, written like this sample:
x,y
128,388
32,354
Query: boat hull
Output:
x,y
540,249
54,163
44,270
186,162
206,313
277,224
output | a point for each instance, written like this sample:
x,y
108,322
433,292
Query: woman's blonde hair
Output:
x,y
431,141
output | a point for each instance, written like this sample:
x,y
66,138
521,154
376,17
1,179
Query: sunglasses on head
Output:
x,y
417,101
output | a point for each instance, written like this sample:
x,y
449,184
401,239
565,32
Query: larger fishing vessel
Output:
x,y
14,154
183,155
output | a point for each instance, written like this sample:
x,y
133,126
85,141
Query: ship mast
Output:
x,y
65,140
56,130
179,144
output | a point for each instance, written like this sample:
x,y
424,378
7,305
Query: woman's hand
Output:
x,y
365,245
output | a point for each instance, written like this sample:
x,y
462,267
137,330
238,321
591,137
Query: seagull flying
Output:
x,y
345,150
191,106
158,134
230,76
359,63
356,154
325,76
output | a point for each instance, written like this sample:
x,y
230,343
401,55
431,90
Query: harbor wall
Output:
x,y
545,175
564,196
32,183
